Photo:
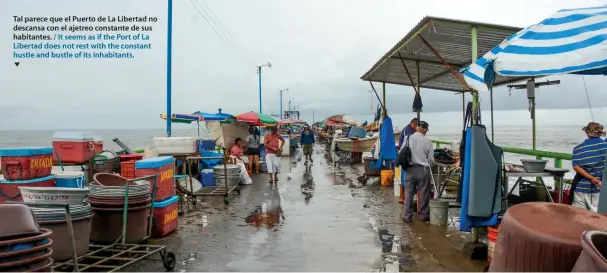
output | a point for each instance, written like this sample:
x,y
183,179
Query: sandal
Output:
x,y
271,181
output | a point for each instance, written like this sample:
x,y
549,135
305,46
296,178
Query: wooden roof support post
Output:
x,y
418,91
384,114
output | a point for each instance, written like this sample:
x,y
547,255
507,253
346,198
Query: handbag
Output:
x,y
404,156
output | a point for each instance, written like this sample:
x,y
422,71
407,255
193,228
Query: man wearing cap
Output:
x,y
273,152
418,173
588,162
410,129
307,141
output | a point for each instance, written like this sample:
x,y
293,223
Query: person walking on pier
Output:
x,y
307,141
273,152
588,161
418,173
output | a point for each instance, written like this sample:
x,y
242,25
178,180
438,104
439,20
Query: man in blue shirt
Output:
x,y
588,161
410,129
307,141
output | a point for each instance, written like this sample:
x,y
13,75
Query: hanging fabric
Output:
x,y
417,103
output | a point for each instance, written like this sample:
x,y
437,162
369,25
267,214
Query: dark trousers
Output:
x,y
417,179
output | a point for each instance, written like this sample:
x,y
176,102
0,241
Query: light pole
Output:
x,y
292,99
169,62
283,90
269,65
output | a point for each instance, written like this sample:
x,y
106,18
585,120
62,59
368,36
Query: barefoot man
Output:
x,y
273,152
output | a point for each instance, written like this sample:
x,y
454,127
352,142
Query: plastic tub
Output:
x,y
439,212
9,190
73,147
106,224
72,196
165,216
26,163
534,165
62,247
369,162
69,180
594,253
163,167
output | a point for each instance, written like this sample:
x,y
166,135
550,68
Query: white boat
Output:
x,y
360,145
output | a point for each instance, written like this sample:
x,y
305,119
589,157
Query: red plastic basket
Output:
x,y
127,169
131,157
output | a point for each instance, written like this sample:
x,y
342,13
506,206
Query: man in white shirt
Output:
x,y
418,174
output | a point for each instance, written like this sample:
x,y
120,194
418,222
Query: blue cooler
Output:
x,y
69,179
205,144
207,179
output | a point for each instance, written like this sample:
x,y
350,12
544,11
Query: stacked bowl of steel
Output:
x,y
233,174
107,199
55,219
24,246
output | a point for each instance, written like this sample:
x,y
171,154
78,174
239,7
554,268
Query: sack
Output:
x,y
404,156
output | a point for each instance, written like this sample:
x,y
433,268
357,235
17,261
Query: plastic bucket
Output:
x,y
68,179
491,239
387,177
439,212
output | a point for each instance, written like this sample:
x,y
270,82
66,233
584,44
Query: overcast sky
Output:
x,y
319,49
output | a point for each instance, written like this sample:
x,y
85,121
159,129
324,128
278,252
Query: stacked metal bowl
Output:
x,y
55,219
24,246
233,174
107,199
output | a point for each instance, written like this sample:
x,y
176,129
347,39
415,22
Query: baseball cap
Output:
x,y
424,125
594,129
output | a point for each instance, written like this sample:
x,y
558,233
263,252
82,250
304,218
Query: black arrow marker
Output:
x,y
17,63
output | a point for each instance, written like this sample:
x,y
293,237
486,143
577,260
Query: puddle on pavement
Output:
x,y
269,213
307,188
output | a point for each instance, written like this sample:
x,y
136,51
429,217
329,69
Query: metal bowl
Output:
x,y
534,165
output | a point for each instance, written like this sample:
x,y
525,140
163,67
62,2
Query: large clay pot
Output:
x,y
542,237
594,252
62,247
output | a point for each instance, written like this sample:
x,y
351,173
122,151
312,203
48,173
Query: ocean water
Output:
x,y
557,131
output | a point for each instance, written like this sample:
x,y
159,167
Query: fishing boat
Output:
x,y
360,145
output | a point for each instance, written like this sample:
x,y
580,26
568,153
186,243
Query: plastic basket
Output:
x,y
127,169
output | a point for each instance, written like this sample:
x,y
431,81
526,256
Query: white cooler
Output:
x,y
175,145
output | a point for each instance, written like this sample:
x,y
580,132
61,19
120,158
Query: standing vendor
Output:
x,y
410,129
588,161
307,141
273,152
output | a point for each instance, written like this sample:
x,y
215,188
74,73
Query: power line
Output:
x,y
222,28
219,35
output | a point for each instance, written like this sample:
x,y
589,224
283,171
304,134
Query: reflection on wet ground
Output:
x,y
326,217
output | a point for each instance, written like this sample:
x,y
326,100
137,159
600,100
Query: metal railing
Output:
x,y
539,154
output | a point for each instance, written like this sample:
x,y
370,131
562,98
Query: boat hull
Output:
x,y
359,145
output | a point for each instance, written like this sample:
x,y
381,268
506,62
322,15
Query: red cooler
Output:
x,y
163,168
165,216
98,142
73,147
26,163
9,190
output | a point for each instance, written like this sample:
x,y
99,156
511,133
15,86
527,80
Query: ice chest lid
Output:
x,y
73,136
31,151
46,178
154,162
166,202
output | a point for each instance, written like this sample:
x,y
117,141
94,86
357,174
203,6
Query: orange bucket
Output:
x,y
491,240
387,177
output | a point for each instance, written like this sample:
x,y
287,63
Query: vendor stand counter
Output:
x,y
558,175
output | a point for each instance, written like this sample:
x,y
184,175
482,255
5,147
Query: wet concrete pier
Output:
x,y
317,217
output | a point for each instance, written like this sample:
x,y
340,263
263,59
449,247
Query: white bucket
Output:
x,y
397,174
69,179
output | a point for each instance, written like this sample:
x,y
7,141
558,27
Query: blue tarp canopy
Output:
x,y
571,41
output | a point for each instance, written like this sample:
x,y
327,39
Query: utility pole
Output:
x,y
283,90
269,65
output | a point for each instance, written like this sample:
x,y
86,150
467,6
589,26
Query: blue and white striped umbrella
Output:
x,y
570,41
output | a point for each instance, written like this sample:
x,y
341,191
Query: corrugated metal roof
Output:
x,y
451,39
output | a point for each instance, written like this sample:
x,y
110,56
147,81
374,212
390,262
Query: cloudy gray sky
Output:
x,y
318,49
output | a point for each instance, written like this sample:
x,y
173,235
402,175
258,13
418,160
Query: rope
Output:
x,y
588,98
